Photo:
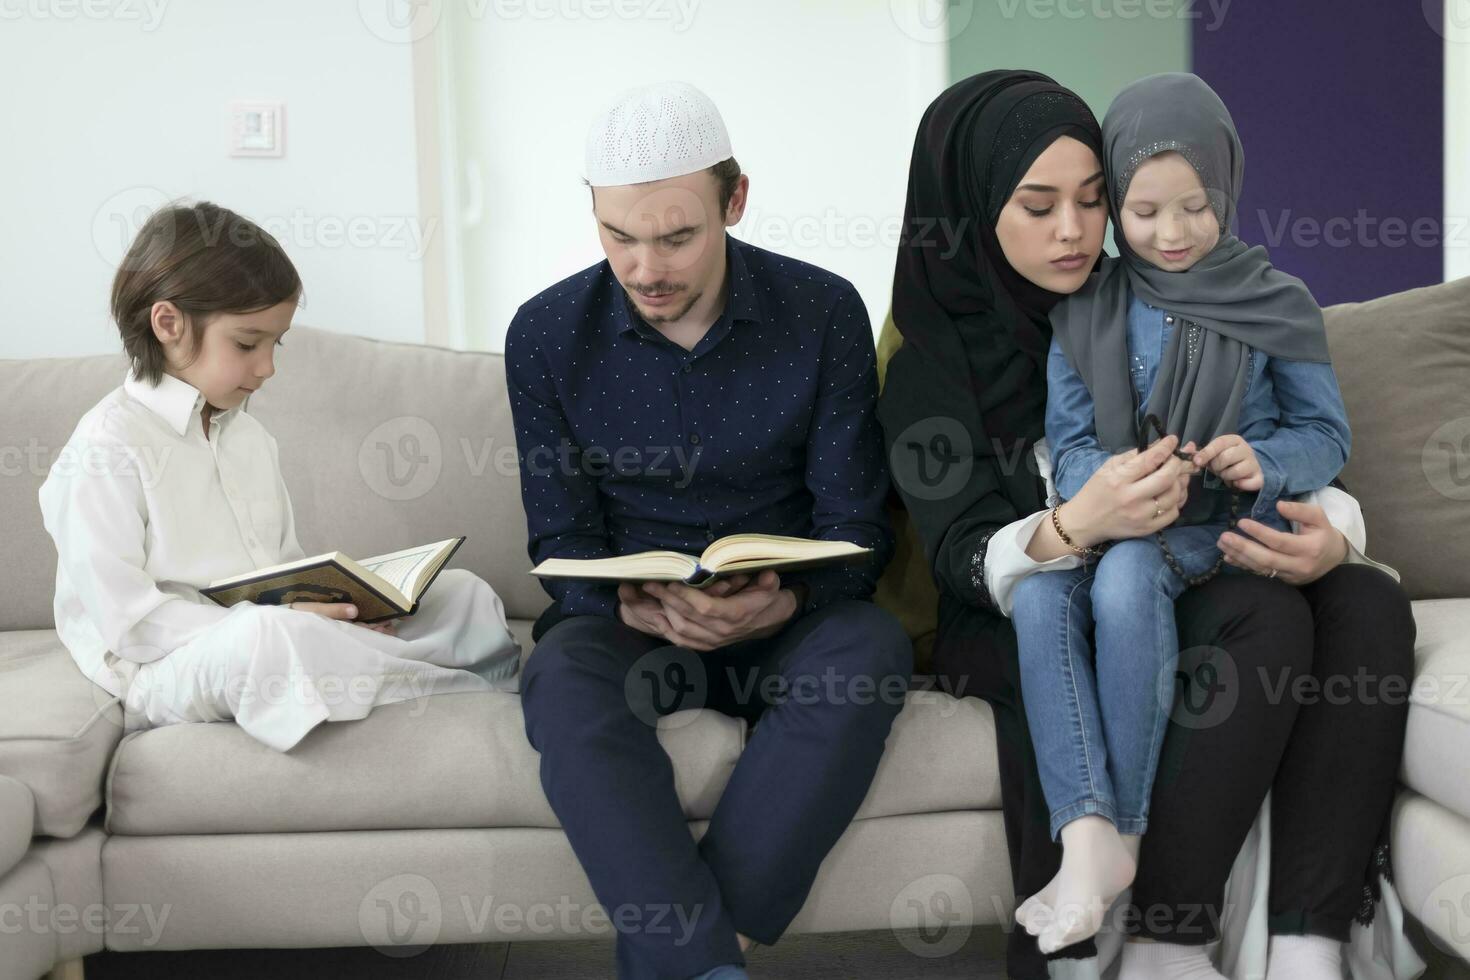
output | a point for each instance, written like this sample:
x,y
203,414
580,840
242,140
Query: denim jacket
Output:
x,y
1292,415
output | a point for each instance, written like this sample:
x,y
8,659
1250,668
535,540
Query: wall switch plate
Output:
x,y
257,129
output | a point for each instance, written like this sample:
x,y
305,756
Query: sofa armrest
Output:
x,y
58,730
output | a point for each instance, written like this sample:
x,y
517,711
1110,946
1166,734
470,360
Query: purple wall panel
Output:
x,y
1340,107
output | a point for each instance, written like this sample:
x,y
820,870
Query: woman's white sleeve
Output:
x,y
1006,561
1344,513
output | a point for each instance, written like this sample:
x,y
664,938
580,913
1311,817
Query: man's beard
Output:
x,y
669,317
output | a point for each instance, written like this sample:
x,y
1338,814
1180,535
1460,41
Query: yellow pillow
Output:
x,y
906,588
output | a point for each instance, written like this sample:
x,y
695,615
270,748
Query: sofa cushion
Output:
x,y
941,755
26,953
462,761
1410,461
57,729
368,472
41,401
448,760
1437,739
386,446
17,822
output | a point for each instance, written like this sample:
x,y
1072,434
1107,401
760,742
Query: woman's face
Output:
x,y
1166,215
1051,229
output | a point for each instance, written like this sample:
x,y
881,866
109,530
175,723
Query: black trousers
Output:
x,y
1300,691
824,693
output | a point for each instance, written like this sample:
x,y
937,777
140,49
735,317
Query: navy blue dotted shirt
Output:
x,y
627,442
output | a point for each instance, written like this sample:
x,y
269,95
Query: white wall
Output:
x,y
821,99
1457,139
112,106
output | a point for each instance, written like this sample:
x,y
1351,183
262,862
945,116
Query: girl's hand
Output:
x,y
1313,551
1232,459
1132,495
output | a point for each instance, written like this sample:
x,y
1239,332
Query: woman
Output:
x,y
1009,162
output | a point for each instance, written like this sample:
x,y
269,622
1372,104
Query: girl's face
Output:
x,y
236,354
1051,229
1166,217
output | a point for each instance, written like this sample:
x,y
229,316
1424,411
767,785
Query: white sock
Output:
x,y
1097,864
1304,958
1035,914
1038,911
1166,961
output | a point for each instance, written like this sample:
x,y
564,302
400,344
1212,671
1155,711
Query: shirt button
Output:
x,y
709,535
687,368
694,438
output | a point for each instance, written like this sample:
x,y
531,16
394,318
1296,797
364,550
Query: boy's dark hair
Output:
x,y
726,174
204,259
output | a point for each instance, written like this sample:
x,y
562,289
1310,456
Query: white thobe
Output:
x,y
146,510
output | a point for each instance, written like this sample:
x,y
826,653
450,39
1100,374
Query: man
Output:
x,y
689,387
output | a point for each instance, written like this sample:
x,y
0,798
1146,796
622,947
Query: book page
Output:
x,y
402,568
743,549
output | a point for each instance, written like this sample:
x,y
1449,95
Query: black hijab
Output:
x,y
953,283
969,381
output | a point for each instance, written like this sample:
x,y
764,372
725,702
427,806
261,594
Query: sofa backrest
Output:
x,y
1403,362
386,445
383,446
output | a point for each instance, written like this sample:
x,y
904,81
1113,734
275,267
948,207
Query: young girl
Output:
x,y
167,484
1191,327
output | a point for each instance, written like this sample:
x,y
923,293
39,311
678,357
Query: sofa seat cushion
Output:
x,y
463,761
443,761
1437,740
17,820
941,756
57,729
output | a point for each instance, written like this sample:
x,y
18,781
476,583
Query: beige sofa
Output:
x,y
425,822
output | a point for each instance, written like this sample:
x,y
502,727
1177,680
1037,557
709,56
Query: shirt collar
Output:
x,y
173,399
743,302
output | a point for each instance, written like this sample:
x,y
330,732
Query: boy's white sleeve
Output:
x,y
93,506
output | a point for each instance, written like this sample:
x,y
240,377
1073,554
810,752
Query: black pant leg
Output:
x,y
1226,735
1336,782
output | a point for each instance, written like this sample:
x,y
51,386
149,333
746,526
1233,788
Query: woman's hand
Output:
x,y
1132,495
1314,550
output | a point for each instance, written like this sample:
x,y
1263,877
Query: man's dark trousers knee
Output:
x,y
823,693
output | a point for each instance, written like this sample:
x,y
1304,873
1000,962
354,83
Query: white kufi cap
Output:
x,y
655,132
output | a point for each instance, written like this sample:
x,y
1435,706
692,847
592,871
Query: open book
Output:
x,y
381,587
738,554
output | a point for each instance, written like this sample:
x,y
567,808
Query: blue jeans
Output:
x,y
1098,722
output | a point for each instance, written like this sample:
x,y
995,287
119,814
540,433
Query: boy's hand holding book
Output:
x,y
346,612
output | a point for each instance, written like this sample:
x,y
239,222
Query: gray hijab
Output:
x,y
1233,298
